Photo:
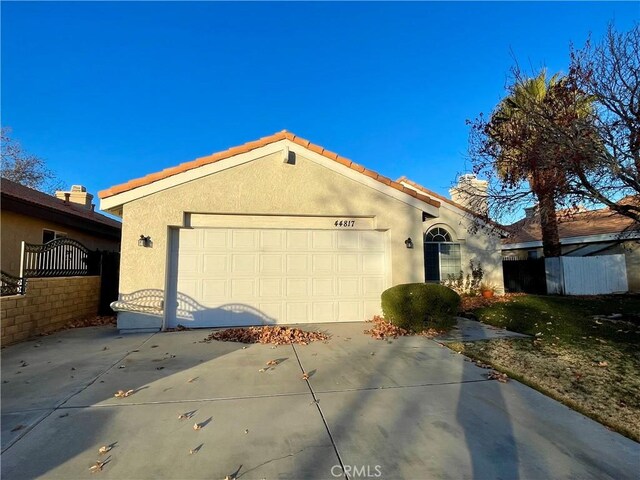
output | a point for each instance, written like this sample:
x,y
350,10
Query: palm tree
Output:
x,y
527,134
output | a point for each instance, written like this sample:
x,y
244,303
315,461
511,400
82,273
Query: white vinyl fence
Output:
x,y
597,275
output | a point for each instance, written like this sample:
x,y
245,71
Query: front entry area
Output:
x,y
245,276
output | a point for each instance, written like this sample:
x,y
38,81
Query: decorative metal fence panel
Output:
x,y
62,257
10,285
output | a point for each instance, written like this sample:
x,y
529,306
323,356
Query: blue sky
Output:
x,y
107,92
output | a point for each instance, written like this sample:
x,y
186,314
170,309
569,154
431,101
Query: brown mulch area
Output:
x,y
267,335
471,303
382,329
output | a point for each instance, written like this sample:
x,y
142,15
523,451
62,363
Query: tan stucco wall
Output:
x,y
480,247
15,227
48,304
631,251
269,186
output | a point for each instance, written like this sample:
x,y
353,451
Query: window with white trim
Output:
x,y
48,235
441,255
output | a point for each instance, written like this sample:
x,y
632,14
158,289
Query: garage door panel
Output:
x,y
243,264
270,287
214,290
372,263
215,265
371,241
298,264
190,287
298,287
372,308
322,263
323,287
271,264
347,240
323,312
214,239
297,240
190,239
322,240
272,240
349,311
297,312
242,288
372,286
230,277
272,311
349,263
349,287
189,263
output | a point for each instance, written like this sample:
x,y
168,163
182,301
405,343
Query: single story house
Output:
x,y
582,233
36,217
280,230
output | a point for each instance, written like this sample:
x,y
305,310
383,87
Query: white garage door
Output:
x,y
224,277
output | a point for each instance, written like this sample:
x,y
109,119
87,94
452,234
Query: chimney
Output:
x,y
471,193
77,195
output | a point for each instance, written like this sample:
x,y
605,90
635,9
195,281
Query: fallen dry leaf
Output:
x,y
495,375
104,449
275,335
382,330
96,467
123,394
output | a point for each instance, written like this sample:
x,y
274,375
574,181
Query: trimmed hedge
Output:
x,y
416,306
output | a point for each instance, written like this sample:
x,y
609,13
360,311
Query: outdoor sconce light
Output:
x,y
408,242
144,241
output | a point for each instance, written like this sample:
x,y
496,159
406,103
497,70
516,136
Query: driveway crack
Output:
x,y
324,420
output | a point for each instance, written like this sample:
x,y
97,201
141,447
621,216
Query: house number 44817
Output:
x,y
345,223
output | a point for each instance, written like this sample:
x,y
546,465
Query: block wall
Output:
x,y
48,304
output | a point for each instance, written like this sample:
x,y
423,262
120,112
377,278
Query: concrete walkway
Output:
x,y
405,408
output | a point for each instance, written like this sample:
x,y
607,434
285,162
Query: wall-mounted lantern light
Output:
x,y
408,242
144,241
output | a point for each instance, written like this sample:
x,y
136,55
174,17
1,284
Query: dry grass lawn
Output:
x,y
590,363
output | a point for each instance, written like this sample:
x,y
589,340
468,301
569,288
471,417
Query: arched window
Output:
x,y
441,255
437,234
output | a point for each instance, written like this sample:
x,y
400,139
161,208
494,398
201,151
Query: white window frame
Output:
x,y
56,234
448,231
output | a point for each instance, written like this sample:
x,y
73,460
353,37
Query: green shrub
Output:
x,y
416,306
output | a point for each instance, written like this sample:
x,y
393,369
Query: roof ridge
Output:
x,y
252,145
46,200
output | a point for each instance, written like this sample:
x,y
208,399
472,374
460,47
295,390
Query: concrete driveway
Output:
x,y
406,408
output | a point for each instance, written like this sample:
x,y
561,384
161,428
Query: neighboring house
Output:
x,y
35,217
279,230
582,233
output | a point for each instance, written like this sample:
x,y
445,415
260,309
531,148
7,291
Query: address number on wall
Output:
x,y
344,223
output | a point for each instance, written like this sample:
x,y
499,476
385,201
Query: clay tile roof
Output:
x,y
585,223
14,190
154,177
